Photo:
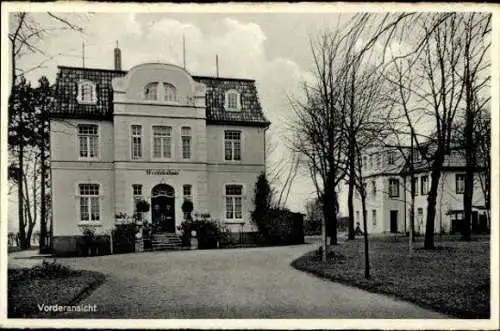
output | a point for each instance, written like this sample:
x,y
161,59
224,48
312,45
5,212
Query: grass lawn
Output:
x,y
453,279
28,288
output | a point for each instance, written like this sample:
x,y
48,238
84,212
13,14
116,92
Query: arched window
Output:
x,y
86,92
151,91
232,100
169,92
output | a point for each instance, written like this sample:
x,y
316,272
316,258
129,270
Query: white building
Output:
x,y
155,133
388,189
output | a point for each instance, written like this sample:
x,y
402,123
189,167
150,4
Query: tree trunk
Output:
x,y
431,200
43,175
365,235
352,182
469,160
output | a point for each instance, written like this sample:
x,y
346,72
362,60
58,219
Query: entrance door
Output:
x,y
394,221
163,208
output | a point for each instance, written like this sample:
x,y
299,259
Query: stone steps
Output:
x,y
166,241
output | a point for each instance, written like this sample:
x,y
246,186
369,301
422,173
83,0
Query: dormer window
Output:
x,y
232,100
151,91
169,92
86,92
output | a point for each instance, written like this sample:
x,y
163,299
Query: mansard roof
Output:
x,y
68,107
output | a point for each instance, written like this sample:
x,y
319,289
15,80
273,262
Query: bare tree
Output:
x,y
25,33
319,128
476,76
431,90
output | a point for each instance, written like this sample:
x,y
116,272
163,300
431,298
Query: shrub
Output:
x,y
49,270
209,232
124,238
282,227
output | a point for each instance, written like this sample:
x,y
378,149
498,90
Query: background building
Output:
x,y
388,193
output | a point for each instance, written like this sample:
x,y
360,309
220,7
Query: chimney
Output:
x,y
118,58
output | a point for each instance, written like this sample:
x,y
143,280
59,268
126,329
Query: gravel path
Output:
x,y
229,283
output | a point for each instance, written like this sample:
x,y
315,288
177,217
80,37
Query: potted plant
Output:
x,y
120,218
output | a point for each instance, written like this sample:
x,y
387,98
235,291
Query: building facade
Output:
x,y
388,193
154,133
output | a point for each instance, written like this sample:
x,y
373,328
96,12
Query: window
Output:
x,y
364,165
357,215
391,157
370,163
187,192
232,145
151,91
162,139
169,92
378,160
234,202
423,185
374,217
137,196
232,100
136,142
460,183
186,142
89,202
420,215
88,140
394,187
86,92
374,188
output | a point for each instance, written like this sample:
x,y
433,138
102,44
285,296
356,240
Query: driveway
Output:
x,y
227,283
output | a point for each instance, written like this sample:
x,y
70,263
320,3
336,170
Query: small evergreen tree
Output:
x,y
262,202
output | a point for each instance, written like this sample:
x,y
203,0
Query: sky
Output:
x,y
272,48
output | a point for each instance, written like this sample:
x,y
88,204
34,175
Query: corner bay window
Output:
x,y
88,141
232,145
162,139
136,142
89,202
186,142
393,187
233,196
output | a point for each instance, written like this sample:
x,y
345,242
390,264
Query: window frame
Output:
x,y
234,219
190,140
391,157
187,196
98,145
237,100
232,159
140,136
171,87
79,197
145,95
422,181
374,188
80,95
136,197
457,176
162,157
374,217
393,194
